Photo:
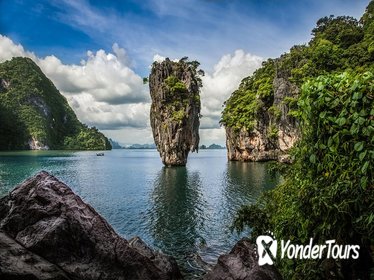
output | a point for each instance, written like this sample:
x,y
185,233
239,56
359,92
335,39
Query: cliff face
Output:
x,y
35,115
175,109
48,232
274,131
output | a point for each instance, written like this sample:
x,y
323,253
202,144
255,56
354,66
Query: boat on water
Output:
x,y
100,154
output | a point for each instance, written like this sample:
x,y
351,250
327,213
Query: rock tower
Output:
x,y
175,109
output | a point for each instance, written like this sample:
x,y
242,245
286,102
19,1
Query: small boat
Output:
x,y
100,154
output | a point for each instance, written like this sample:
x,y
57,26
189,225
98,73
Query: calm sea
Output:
x,y
184,211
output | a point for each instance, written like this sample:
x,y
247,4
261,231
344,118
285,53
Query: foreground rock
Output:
x,y
50,233
241,263
16,262
175,109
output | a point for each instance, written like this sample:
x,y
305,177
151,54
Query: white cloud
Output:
x,y
107,116
121,54
88,17
9,49
105,76
217,87
158,58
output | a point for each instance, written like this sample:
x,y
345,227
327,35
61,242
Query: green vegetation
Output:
x,y
177,98
272,132
328,191
175,86
254,93
87,139
177,94
32,108
179,115
275,112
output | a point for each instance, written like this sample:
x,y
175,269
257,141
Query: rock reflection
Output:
x,y
177,212
244,183
247,180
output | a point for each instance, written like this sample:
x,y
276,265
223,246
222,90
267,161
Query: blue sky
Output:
x,y
202,29
96,52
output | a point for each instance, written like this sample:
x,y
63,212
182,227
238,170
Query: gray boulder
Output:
x,y
48,220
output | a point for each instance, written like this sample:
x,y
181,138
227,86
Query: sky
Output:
x,y
97,52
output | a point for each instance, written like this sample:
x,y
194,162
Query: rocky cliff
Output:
x,y
273,132
175,109
35,115
48,232
259,116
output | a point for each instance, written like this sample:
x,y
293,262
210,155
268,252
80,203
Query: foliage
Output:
x,y
177,95
343,31
275,112
177,98
272,132
87,139
12,131
178,116
254,93
175,85
32,108
328,193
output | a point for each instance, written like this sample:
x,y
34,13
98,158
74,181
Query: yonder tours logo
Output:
x,y
267,247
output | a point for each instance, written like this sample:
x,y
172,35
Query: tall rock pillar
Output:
x,y
175,109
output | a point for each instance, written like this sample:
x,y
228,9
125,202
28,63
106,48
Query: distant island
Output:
x,y
141,146
211,147
115,144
